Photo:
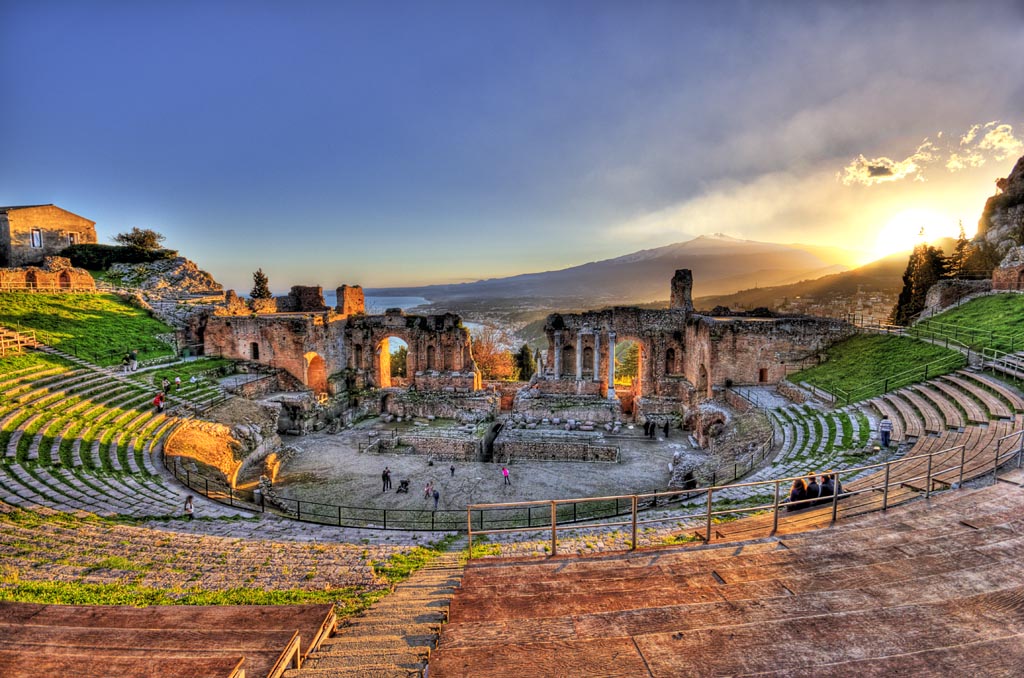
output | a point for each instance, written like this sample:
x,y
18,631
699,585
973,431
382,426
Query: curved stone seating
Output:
x,y
941,582
932,419
911,421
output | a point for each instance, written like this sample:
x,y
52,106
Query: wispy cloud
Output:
x,y
979,144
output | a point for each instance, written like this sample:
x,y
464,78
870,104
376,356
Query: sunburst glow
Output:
x,y
911,227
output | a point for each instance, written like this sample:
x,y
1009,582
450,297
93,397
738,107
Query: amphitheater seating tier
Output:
x,y
935,578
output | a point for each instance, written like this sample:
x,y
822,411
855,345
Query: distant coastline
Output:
x,y
376,305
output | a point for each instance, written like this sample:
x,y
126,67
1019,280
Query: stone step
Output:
x,y
359,657
346,644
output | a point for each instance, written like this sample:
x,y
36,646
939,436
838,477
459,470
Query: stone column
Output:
x,y
558,354
611,366
597,356
579,355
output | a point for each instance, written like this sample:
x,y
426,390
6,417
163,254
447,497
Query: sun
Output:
x,y
911,227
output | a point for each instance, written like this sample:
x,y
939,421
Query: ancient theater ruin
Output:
x,y
685,357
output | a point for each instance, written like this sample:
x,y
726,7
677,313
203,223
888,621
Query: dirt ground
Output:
x,y
330,469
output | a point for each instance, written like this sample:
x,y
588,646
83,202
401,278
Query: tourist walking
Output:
x,y
126,364
504,473
437,497
385,478
428,490
158,402
452,469
666,429
188,507
133,355
885,431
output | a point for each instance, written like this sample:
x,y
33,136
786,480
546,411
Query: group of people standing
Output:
x,y
651,429
809,490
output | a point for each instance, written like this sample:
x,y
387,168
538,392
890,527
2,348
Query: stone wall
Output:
x,y
513,445
439,447
350,300
533,405
302,299
945,293
1010,273
56,274
506,390
791,392
56,227
465,407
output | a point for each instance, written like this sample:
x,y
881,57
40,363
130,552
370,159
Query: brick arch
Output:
x,y
315,372
382,359
643,381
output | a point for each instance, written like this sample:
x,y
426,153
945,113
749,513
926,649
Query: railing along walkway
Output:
x,y
885,484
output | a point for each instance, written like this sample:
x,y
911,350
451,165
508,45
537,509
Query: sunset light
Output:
x,y
913,226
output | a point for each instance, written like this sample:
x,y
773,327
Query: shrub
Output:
x,y
100,257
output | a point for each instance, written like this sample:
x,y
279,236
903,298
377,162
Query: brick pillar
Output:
x,y
579,355
558,354
597,356
611,366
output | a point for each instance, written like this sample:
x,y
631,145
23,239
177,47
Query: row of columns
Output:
x,y
597,357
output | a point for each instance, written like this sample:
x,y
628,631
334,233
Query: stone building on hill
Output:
x,y
29,233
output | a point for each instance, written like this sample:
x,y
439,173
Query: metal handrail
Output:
x,y
708,515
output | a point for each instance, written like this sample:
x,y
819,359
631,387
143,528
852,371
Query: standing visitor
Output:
x,y
666,429
885,431
385,479
126,364
437,497
504,472
188,507
134,357
452,469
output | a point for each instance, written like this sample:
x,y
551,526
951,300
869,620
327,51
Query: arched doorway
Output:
x,y
670,361
392,362
64,280
316,373
629,372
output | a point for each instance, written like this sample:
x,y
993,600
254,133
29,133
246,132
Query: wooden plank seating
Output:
x,y
1011,396
936,579
128,641
913,423
996,406
933,421
950,407
974,408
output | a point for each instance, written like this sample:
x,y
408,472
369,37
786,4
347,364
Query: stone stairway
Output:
x,y
13,342
394,637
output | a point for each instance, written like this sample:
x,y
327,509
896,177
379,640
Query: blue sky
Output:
x,y
393,143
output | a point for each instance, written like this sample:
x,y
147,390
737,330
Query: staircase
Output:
x,y
394,637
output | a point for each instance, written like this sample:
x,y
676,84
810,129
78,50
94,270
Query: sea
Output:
x,y
377,305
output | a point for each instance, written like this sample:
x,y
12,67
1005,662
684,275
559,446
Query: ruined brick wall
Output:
x,y
682,289
350,300
755,351
1008,278
516,445
506,390
302,299
466,407
56,274
56,229
443,448
791,392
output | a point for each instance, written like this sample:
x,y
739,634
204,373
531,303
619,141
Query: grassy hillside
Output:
x,y
868,365
98,327
995,321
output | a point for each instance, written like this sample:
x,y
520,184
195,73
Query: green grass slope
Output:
x,y
868,365
97,327
995,321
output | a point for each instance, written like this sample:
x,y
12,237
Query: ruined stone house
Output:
x,y
29,233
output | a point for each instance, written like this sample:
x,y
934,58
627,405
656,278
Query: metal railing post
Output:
x,y
634,502
469,532
775,509
835,498
707,539
885,487
963,460
554,528
995,468
928,477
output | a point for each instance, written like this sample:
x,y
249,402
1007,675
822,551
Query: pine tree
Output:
x,y
260,285
399,360
525,362
962,252
924,268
